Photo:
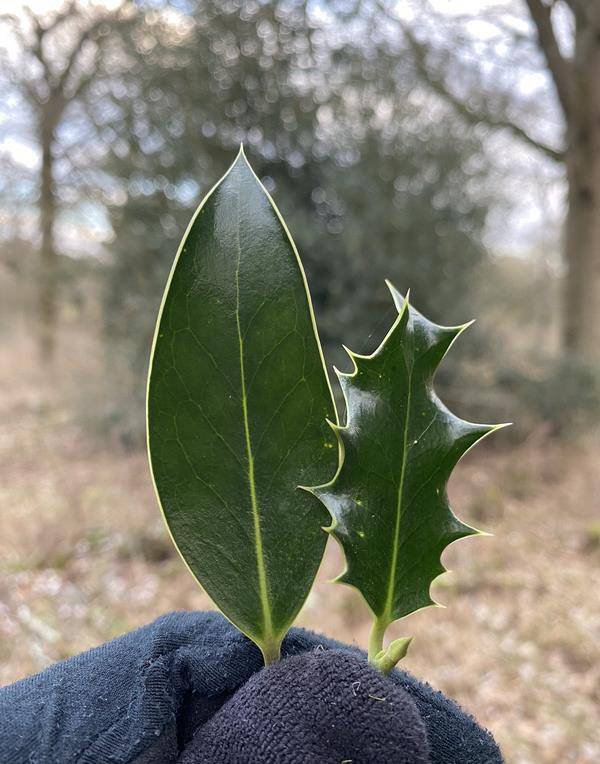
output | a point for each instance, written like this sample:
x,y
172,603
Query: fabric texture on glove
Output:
x,y
323,706
139,698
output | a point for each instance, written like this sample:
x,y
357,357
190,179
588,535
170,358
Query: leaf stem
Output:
x,y
384,660
271,651
380,624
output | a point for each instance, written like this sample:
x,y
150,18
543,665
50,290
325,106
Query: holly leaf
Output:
x,y
237,404
388,500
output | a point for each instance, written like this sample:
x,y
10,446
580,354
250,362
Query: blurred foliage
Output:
x,y
562,393
524,376
335,125
376,178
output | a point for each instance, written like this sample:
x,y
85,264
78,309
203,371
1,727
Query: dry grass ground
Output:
x,y
84,558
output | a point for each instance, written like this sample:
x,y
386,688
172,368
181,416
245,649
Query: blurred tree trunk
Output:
x,y
48,281
577,82
581,323
576,79
51,75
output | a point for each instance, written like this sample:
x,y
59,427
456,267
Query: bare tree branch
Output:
x,y
560,67
85,35
438,85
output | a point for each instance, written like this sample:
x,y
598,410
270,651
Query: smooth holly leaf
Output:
x,y
237,402
388,500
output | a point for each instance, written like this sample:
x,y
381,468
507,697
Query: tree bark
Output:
x,y
577,83
62,80
48,282
581,324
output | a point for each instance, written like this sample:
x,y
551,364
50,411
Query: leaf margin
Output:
x,y
270,649
386,659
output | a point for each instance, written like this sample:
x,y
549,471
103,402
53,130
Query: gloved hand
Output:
x,y
188,688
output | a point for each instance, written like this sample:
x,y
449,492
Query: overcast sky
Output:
x,y
533,184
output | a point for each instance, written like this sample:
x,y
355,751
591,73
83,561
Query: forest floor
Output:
x,y
84,558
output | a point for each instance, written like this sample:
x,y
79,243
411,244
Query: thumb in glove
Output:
x,y
321,706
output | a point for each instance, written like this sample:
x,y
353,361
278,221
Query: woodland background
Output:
x,y
456,153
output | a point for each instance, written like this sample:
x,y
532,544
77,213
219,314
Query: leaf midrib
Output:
x,y
260,561
387,615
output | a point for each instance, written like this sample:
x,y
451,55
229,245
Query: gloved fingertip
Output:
x,y
323,706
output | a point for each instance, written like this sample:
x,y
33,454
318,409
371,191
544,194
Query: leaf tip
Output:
x,y
400,300
397,297
391,287
463,327
242,159
488,429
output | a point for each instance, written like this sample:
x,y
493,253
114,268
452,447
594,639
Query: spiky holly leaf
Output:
x,y
237,402
388,500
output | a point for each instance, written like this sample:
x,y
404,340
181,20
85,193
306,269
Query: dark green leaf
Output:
x,y
237,402
400,443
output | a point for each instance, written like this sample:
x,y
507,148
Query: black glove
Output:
x,y
188,688
322,706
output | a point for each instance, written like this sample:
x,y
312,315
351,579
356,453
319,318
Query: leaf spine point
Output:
x,y
334,426
353,357
396,294
484,431
331,527
344,374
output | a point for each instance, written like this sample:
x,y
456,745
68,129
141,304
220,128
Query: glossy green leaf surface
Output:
x,y
237,404
388,501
